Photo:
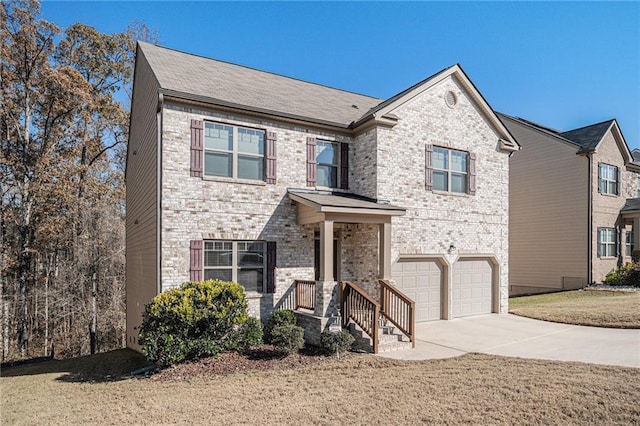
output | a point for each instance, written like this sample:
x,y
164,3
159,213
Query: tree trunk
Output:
x,y
94,315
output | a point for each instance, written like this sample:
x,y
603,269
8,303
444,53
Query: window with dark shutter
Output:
x,y
472,174
618,181
195,260
311,161
271,171
196,148
344,166
599,242
428,163
271,266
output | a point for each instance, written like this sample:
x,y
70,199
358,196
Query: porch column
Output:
x,y
326,250
385,251
636,238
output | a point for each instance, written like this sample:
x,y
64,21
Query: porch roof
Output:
x,y
341,207
631,206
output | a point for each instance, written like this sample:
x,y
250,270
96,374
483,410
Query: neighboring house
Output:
x,y
574,206
290,187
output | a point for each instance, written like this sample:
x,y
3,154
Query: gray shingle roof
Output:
x,y
199,78
636,156
588,137
343,200
632,204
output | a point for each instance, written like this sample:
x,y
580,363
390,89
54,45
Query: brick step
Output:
x,y
389,340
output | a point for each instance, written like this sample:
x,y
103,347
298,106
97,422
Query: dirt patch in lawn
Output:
x,y
359,389
597,308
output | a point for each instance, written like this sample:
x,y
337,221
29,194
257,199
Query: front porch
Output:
x,y
630,214
373,308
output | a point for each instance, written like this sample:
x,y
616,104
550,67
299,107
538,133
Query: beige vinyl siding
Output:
x,y
142,203
548,200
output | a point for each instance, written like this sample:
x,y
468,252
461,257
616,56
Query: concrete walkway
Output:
x,y
511,335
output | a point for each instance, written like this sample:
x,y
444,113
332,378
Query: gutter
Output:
x,y
590,221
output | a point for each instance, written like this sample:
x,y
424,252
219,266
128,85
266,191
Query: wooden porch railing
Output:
x,y
305,294
359,307
399,309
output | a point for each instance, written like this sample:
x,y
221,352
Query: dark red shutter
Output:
x,y
196,147
599,177
271,266
344,166
472,174
599,242
271,172
195,260
618,183
311,161
428,167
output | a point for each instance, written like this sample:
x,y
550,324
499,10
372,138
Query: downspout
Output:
x,y
159,195
590,222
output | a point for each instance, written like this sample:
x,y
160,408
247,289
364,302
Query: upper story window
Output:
x,y
607,242
233,151
608,179
327,163
450,170
242,262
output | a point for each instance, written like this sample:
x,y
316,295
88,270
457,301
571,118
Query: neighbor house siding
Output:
x,y
142,201
606,207
548,200
473,224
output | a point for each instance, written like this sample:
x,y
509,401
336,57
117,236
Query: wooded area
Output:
x,y
64,117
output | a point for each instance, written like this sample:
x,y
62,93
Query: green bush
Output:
x,y
287,338
278,317
628,274
251,333
336,342
195,320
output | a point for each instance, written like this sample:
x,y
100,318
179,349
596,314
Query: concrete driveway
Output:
x,y
511,335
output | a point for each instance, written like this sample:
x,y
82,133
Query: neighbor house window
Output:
x,y
628,244
450,170
638,187
238,261
608,179
233,151
328,160
607,242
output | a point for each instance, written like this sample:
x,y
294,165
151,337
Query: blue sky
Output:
x,y
563,65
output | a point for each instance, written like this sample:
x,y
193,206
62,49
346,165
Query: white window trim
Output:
x,y
628,244
450,171
605,244
337,165
601,178
234,261
234,152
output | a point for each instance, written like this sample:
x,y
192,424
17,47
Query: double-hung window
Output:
x,y
608,179
607,242
328,163
233,151
450,170
238,261
628,243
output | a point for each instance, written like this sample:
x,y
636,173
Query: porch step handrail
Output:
x,y
305,294
359,307
399,309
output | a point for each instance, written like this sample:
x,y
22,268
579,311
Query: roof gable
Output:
x,y
385,109
221,83
588,137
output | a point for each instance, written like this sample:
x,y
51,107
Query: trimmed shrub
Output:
x,y
278,317
335,343
195,320
287,338
250,333
628,274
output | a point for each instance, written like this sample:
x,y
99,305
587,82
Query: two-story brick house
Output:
x,y
574,205
289,187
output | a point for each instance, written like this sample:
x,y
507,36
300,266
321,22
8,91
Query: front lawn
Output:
x,y
357,389
598,308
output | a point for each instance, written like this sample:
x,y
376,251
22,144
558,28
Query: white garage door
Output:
x,y
471,287
421,281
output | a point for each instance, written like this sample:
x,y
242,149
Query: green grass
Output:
x,y
615,309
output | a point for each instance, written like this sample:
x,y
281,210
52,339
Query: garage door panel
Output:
x,y
421,281
472,287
